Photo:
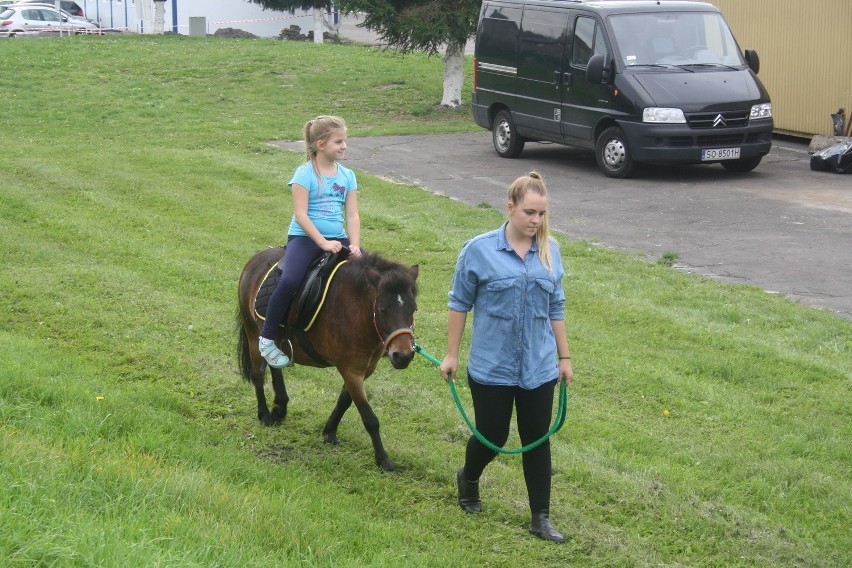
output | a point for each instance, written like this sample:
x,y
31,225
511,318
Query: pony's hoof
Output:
x,y
279,413
330,439
386,465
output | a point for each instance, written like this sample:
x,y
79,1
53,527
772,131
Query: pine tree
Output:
x,y
408,25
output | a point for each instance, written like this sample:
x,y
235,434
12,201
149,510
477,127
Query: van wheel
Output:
x,y
507,141
613,154
741,165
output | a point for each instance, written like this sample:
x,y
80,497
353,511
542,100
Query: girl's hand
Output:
x,y
354,250
331,246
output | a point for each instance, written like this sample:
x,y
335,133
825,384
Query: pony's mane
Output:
x,y
394,274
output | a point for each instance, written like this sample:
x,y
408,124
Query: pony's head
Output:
x,y
395,304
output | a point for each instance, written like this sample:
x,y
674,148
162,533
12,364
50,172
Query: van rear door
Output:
x,y
583,103
541,50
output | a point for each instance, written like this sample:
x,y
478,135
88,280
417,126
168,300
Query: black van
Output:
x,y
635,80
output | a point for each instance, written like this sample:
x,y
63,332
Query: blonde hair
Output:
x,y
319,130
519,188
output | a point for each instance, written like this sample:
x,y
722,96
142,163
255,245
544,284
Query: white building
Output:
x,y
139,16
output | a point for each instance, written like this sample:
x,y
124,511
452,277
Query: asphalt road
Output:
x,y
781,227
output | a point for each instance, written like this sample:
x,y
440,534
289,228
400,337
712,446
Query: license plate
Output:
x,y
712,154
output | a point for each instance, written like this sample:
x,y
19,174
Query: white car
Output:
x,y
27,20
71,15
66,5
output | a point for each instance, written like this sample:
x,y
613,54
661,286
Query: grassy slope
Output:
x,y
135,185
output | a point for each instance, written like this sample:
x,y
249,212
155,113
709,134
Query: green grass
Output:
x,y
136,182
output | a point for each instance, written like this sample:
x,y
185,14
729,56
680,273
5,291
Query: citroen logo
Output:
x,y
719,121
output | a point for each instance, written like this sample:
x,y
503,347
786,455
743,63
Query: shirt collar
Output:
x,y
503,242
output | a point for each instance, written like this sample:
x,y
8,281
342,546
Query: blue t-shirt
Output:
x,y
513,302
326,201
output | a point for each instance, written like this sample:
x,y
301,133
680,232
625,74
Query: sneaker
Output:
x,y
274,356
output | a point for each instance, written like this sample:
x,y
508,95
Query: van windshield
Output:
x,y
675,38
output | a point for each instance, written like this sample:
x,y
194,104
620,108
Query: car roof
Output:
x,y
41,6
20,6
47,5
625,6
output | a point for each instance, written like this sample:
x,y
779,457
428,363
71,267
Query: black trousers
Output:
x,y
493,406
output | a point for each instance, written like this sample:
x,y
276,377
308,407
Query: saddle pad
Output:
x,y
264,293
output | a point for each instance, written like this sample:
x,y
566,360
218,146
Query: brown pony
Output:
x,y
368,313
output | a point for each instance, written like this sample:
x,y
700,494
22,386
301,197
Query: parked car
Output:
x,y
71,7
47,4
20,20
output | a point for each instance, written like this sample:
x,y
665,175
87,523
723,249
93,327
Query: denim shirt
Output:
x,y
513,302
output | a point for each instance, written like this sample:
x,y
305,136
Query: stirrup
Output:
x,y
274,356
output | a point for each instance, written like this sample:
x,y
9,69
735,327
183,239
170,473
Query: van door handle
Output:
x,y
564,78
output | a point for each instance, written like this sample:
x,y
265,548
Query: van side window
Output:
x,y
498,35
588,41
542,44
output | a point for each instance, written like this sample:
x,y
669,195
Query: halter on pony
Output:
x,y
393,335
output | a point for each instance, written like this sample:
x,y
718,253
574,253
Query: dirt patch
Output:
x,y
234,33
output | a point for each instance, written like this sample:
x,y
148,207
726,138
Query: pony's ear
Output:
x,y
414,271
373,276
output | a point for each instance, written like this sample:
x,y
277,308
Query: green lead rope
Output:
x,y
557,424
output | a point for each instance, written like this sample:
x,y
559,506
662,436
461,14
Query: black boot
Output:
x,y
468,493
540,526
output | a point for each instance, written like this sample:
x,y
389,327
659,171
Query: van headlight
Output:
x,y
763,110
664,115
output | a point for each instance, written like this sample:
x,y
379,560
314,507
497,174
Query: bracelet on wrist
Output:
x,y
565,357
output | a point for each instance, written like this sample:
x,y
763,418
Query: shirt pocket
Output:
x,y
500,298
540,293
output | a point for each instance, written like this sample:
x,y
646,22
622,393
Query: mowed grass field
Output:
x,y
708,424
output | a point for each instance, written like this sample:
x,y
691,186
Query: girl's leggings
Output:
x,y
492,406
301,252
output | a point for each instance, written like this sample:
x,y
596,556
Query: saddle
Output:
x,y
310,297
308,301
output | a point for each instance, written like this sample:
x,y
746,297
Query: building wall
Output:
x,y
124,15
805,50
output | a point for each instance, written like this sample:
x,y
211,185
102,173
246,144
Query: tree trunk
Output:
x,y
319,25
159,17
453,75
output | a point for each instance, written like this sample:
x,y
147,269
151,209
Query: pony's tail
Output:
x,y
243,354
